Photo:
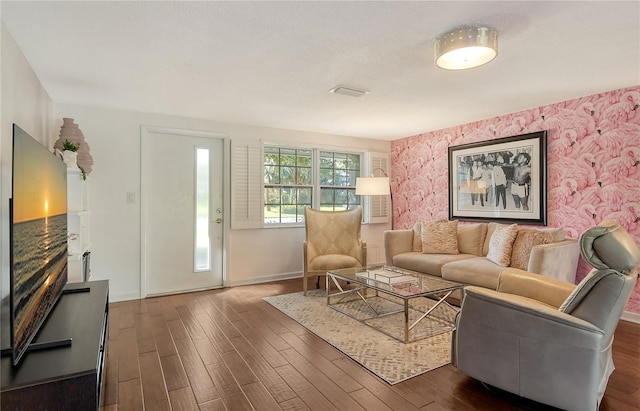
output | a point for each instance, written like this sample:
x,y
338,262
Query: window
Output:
x,y
202,258
295,178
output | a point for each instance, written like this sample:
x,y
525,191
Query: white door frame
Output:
x,y
226,183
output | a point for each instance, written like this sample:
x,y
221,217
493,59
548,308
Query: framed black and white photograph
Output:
x,y
502,180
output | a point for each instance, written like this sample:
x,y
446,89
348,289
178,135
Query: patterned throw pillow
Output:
x,y
417,237
501,244
526,239
440,237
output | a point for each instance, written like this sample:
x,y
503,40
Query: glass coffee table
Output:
x,y
403,304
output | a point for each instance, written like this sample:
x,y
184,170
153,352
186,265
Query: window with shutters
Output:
x,y
295,178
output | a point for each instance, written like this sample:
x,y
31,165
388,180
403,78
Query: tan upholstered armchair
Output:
x,y
545,339
332,242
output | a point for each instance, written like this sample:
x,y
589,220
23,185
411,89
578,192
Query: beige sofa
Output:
x,y
543,251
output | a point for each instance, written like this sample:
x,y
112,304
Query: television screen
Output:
x,y
38,238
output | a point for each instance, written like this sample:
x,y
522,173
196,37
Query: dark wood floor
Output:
x,y
229,350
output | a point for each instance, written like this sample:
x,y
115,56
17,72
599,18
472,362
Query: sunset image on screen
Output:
x,y
39,192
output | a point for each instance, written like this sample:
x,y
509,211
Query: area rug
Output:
x,y
391,360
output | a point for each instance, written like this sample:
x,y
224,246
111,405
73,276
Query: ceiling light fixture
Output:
x,y
349,91
465,48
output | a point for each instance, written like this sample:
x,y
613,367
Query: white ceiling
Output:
x,y
272,63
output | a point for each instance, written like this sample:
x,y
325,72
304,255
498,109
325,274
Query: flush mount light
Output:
x,y
465,48
348,91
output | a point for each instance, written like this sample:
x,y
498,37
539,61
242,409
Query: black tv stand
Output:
x,y
69,377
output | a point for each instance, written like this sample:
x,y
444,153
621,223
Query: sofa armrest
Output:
x,y
396,242
547,290
557,260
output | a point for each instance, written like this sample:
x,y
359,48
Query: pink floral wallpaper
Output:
x,y
593,165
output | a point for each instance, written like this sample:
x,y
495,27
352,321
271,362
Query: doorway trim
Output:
x,y
145,132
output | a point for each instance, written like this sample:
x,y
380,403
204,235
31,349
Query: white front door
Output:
x,y
182,200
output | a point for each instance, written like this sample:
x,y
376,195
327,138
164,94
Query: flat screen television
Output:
x,y
38,238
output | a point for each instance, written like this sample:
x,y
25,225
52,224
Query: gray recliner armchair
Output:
x,y
548,340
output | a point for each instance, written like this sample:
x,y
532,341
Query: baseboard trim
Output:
x,y
265,279
629,316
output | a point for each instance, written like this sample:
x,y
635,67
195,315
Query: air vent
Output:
x,y
348,91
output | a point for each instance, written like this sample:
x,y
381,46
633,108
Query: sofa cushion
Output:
x,y
501,244
431,264
475,271
490,229
417,237
440,237
525,241
471,238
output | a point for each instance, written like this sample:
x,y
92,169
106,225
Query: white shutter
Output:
x,y
379,207
246,186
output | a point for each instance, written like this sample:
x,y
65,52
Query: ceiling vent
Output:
x,y
348,91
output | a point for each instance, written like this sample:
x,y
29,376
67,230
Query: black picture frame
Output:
x,y
476,171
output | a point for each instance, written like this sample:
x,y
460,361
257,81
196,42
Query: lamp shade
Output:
x,y
466,48
373,186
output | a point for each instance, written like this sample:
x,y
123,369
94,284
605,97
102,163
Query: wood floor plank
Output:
x,y
207,351
114,321
128,366
215,405
238,403
238,367
259,397
144,333
333,392
223,380
177,330
162,336
183,400
311,396
111,374
154,390
199,380
174,375
130,395
263,371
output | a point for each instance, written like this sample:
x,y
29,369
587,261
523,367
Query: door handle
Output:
x,y
218,220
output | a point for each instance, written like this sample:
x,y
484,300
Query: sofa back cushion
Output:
x,y
471,238
417,237
440,237
525,240
501,244
490,229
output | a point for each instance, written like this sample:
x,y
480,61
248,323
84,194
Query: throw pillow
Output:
x,y
471,238
417,237
501,244
440,237
526,239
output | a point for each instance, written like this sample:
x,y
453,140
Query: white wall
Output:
x,y
252,255
25,102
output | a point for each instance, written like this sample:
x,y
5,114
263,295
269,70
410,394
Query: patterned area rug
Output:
x,y
391,360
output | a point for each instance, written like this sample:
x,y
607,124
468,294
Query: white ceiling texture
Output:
x,y
270,63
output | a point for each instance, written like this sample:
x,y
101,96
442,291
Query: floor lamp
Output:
x,y
375,186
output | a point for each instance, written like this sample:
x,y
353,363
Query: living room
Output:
x,y
263,255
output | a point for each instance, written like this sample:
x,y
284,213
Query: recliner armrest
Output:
x,y
547,290
529,318
396,242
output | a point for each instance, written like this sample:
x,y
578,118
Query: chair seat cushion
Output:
x,y
333,262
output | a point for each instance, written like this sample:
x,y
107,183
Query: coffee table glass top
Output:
x,y
396,281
